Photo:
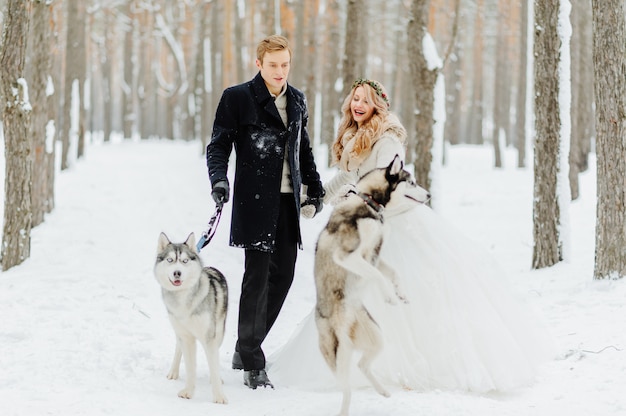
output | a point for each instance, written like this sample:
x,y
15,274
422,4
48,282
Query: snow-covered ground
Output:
x,y
85,331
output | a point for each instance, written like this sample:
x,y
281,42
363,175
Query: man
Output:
x,y
265,120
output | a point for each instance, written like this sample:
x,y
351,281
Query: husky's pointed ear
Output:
x,y
395,166
191,241
163,242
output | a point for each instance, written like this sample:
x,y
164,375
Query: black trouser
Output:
x,y
266,282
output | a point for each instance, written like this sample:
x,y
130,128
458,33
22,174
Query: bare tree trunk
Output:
x,y
297,75
501,91
423,82
17,144
547,249
73,129
38,71
216,55
128,87
356,44
227,49
586,116
520,106
239,28
201,97
475,115
582,92
609,56
331,101
407,97
107,76
79,59
145,81
311,68
453,97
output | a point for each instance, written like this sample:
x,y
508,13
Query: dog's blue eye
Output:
x,y
185,261
169,260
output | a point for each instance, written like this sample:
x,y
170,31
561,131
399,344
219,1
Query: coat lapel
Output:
x,y
264,98
293,110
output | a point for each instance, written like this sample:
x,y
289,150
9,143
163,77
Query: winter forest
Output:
x,y
544,77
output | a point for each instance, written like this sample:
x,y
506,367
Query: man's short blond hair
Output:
x,y
272,43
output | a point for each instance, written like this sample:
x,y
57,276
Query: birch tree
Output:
x,y
17,145
609,57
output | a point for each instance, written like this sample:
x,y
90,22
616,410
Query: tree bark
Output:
x,y
73,132
609,56
356,44
582,92
107,76
501,91
547,250
475,115
520,120
128,87
202,98
311,67
331,102
17,144
423,82
38,71
453,96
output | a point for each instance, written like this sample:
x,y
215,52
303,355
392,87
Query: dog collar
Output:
x,y
371,202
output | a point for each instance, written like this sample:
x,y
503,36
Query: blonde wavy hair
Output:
x,y
367,135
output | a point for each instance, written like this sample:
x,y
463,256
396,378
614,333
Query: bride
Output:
x,y
461,329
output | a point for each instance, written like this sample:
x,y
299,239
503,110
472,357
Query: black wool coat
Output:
x,y
247,119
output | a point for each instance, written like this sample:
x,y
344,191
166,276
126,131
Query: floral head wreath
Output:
x,y
375,85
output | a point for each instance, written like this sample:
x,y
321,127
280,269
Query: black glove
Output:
x,y
311,207
220,193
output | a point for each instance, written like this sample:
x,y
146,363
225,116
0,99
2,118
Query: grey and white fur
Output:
x,y
196,299
346,261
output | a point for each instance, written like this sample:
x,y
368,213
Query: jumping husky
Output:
x,y
347,259
196,299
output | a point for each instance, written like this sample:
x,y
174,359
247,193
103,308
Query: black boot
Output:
x,y
237,363
256,378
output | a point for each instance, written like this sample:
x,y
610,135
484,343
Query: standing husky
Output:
x,y
196,299
346,259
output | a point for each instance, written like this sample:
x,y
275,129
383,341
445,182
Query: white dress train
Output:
x,y
461,330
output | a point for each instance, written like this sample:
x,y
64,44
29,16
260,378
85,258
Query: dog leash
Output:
x,y
207,235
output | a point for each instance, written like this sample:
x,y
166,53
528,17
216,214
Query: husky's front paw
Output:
x,y
186,393
172,375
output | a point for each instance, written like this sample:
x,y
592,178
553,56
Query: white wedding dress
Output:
x,y
461,330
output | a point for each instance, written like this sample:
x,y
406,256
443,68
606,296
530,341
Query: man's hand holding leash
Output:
x,y
220,193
